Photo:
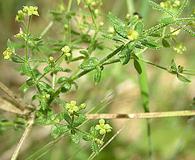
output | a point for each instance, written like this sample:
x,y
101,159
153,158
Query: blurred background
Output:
x,y
118,92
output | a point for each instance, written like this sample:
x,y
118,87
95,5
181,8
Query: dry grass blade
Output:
x,y
143,115
23,138
16,100
9,107
92,156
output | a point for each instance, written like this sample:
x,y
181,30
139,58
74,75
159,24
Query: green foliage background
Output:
x,y
173,138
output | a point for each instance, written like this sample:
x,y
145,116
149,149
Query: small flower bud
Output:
x,y
83,106
51,59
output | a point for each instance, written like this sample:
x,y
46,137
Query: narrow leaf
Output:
x,y
165,43
137,66
183,78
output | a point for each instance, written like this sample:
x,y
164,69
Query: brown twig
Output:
x,y
13,96
142,115
24,108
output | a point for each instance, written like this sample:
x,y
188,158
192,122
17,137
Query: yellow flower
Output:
x,y
26,11
20,16
66,50
31,10
72,107
7,53
132,34
103,127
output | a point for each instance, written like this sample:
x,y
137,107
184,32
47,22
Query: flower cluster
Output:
x,y
179,48
99,141
102,127
26,11
170,4
66,50
93,3
8,53
72,107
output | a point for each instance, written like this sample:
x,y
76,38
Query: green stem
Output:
x,y
111,54
77,58
69,5
69,25
26,42
143,81
47,28
144,89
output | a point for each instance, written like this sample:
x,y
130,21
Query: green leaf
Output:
x,y
45,87
85,53
125,55
86,137
165,43
90,63
58,130
159,8
139,27
17,59
183,6
133,21
67,118
79,120
10,44
183,78
93,131
137,66
150,43
66,87
30,82
25,69
97,75
57,69
95,148
168,20
173,68
47,69
61,80
118,25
